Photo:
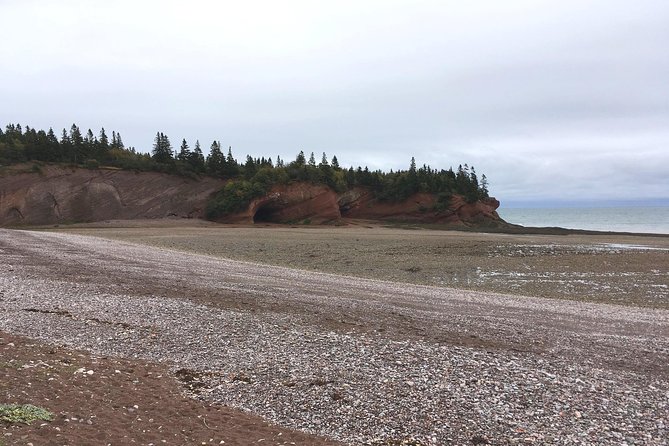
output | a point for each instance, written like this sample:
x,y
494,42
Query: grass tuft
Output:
x,y
23,413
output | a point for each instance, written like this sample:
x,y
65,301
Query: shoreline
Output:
x,y
511,229
533,230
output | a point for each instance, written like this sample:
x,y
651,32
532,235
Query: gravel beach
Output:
x,y
607,268
358,360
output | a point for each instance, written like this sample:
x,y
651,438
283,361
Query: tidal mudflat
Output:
x,y
621,269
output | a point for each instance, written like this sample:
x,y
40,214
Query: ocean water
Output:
x,y
620,219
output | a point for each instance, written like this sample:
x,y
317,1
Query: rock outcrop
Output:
x,y
292,203
59,194
421,208
304,202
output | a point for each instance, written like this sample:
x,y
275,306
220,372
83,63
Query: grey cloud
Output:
x,y
551,100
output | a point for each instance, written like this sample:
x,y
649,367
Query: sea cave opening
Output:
x,y
267,213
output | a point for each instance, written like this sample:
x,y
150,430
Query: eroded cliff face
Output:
x,y
304,202
291,203
63,195
420,208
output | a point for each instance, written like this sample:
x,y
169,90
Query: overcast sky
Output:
x,y
552,100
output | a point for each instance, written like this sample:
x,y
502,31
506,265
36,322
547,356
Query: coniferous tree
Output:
x,y
75,135
54,146
484,186
461,178
412,184
250,167
184,153
30,145
44,147
104,142
77,144
119,141
230,167
298,169
326,173
90,145
162,149
114,141
300,160
229,158
350,177
472,192
215,159
89,138
473,179
197,158
335,163
66,147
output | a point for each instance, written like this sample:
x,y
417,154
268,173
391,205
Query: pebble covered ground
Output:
x,y
102,400
620,269
322,353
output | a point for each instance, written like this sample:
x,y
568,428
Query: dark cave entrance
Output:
x,y
267,213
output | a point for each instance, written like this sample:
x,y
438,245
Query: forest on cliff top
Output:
x,y
249,179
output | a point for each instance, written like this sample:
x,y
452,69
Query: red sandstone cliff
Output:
x,y
420,208
58,194
295,202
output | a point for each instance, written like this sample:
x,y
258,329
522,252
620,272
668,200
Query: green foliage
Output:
x,y
23,414
235,196
443,200
268,176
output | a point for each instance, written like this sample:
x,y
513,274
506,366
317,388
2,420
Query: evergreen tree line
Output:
x,y
252,178
18,145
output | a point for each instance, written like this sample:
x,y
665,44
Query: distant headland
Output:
x,y
81,177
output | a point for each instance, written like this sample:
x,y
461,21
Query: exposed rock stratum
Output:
x,y
58,194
